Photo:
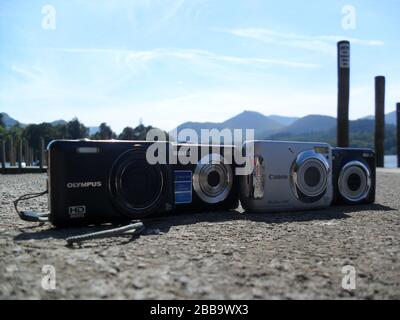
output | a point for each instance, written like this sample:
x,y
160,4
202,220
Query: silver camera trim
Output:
x,y
342,184
212,194
296,180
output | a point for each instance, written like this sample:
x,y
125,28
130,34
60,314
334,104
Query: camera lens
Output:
x,y
309,176
312,176
354,181
135,185
139,185
213,178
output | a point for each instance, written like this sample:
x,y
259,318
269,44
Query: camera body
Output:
x,y
204,177
287,176
92,182
354,175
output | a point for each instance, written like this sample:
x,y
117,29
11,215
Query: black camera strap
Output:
x,y
133,229
31,216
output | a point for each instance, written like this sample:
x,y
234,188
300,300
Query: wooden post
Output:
x,y
12,153
342,127
41,152
20,154
380,120
31,156
3,155
398,133
26,154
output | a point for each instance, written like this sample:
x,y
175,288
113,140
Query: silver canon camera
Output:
x,y
287,176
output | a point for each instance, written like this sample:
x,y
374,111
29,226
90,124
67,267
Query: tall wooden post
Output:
x,y
398,133
31,156
12,153
342,127
380,120
41,151
26,153
3,155
19,150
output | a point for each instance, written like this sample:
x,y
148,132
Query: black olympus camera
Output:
x,y
204,177
354,175
91,182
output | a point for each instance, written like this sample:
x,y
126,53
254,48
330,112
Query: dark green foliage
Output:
x,y
105,133
2,124
139,133
74,129
127,134
34,132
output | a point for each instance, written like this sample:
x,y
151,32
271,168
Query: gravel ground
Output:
x,y
228,255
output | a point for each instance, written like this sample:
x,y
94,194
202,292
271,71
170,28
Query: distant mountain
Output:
x,y
262,125
308,128
390,118
9,121
311,123
286,121
367,118
247,118
312,127
361,135
328,134
58,122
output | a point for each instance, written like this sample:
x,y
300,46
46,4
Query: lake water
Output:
x,y
390,161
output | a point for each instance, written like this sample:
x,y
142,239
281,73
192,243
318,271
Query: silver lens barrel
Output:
x,y
212,179
354,181
309,174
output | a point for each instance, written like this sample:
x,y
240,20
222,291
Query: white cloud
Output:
x,y
324,43
45,94
26,73
191,55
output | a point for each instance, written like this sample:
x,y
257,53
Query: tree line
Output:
x,y
31,135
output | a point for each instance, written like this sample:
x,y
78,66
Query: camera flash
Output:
x,y
87,150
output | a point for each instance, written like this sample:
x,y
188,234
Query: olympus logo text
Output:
x,y
90,184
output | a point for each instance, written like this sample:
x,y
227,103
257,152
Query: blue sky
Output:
x,y
171,61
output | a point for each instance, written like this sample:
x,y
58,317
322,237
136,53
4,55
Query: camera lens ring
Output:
x,y
118,180
305,186
212,164
361,170
124,171
303,180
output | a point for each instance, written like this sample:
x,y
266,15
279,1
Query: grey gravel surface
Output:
x,y
230,255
